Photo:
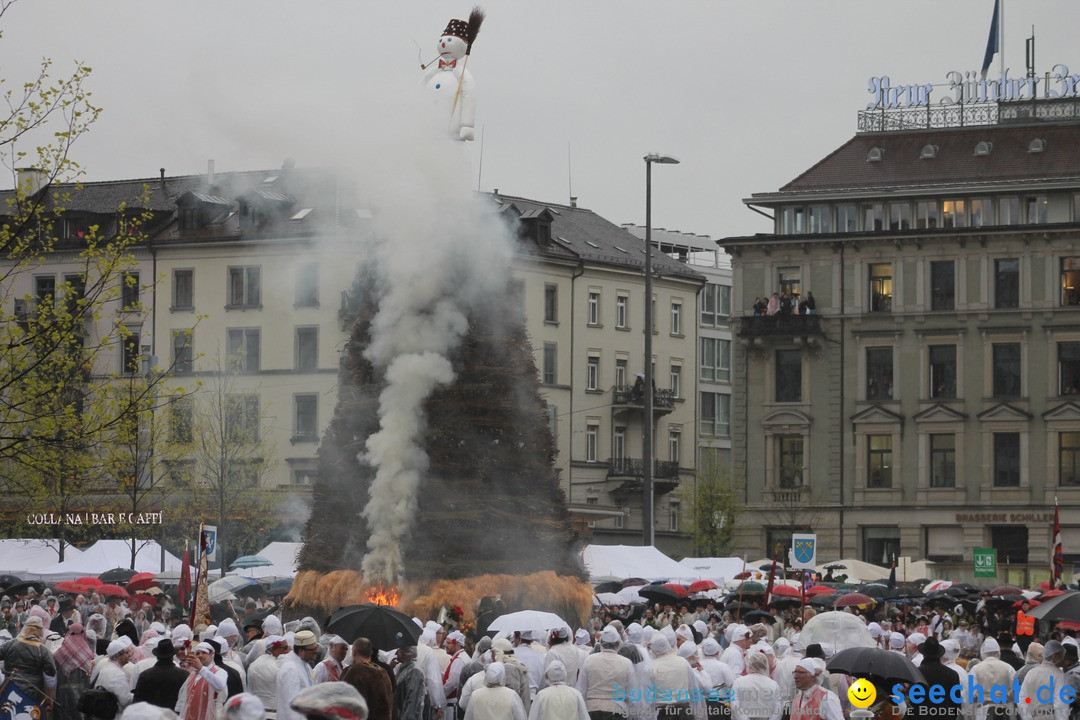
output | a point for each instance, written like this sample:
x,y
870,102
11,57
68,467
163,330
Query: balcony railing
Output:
x,y
787,496
627,395
780,325
635,467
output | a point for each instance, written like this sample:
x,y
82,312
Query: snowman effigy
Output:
x,y
450,78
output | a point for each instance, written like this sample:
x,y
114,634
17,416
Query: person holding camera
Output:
x,y
205,689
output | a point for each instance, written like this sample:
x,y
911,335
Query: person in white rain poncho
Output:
x,y
1036,705
952,651
558,701
812,701
495,701
262,674
606,673
735,655
674,680
755,695
562,650
112,676
990,671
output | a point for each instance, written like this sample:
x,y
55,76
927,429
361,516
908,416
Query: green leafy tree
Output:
x,y
714,507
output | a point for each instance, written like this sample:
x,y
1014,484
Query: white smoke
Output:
x,y
442,250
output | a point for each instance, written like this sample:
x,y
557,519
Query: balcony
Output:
x,y
631,473
625,397
780,326
787,496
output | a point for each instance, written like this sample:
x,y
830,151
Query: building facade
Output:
x,y
926,407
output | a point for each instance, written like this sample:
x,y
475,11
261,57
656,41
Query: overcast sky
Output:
x,y
746,94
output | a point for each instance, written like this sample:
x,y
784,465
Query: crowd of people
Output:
x,y
783,304
88,656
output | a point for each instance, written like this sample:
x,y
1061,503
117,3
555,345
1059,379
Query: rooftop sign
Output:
x,y
964,88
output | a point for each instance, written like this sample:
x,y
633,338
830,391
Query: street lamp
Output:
x,y
647,508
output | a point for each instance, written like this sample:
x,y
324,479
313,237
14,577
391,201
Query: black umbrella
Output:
x,y
878,591
875,661
739,607
634,581
611,586
824,600
660,594
385,627
24,587
7,581
280,587
755,616
116,576
1063,607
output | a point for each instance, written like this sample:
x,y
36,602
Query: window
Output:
x,y
1069,368
790,456
129,351
592,373
819,219
243,348
673,515
1036,209
307,349
943,461
879,461
1070,281
74,291
953,213
900,216
620,372
1011,542
621,318
794,220
982,212
129,291
592,501
618,443
304,475
873,216
592,436
307,285
879,373
674,445
183,289
943,371
1069,458
715,359
881,545
881,289
594,308
183,356
1007,283
676,318
553,422
715,415
621,519
45,289
1007,459
549,363
676,381
788,376
245,287
942,285
715,305
242,418
1006,357
1009,211
788,278
847,218
927,214
181,417
306,416
551,303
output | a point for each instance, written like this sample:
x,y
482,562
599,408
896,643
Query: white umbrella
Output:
x,y
528,621
630,596
225,588
842,630
610,599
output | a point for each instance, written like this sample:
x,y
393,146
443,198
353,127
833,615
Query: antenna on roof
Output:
x,y
480,169
1029,53
570,175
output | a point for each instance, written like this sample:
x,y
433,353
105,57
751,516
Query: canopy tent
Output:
x,y
715,569
17,557
282,557
859,571
106,555
624,561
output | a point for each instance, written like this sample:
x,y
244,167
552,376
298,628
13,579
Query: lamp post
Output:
x,y
648,513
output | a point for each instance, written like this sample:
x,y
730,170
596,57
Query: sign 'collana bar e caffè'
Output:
x,y
969,87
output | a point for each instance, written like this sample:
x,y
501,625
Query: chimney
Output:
x,y
573,201
30,180
209,173
162,170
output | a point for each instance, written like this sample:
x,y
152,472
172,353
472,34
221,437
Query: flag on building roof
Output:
x,y
1059,555
993,46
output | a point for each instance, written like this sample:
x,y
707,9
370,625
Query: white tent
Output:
x,y
716,569
106,555
624,561
859,571
17,557
282,556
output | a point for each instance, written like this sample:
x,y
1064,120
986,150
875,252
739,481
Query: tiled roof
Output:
x,y
955,163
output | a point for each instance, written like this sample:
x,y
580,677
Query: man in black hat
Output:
x,y
60,623
160,685
940,680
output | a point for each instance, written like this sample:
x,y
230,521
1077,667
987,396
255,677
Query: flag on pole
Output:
x,y
892,575
772,574
200,609
992,44
17,703
1059,555
184,586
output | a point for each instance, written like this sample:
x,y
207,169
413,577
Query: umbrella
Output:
x,y
111,591
853,600
137,601
1031,603
1050,594
750,587
755,616
280,587
630,596
739,607
1063,607
384,626
249,561
875,661
877,591
937,585
842,629
836,566
75,587
634,581
1005,590
141,581
786,591
116,576
819,590
701,586
226,587
609,598
9,580
658,593
612,586
24,587
782,601
527,621
91,581
824,600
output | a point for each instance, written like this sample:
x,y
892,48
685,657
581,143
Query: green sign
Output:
x,y
985,562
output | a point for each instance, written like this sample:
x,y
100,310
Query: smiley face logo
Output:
x,y
862,693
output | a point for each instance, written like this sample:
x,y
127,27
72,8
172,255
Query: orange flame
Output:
x,y
382,595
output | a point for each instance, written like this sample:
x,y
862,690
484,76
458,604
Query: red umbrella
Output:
x,y
1050,594
814,590
742,576
785,591
141,581
676,588
1005,590
93,581
111,591
74,587
1031,603
1044,585
854,598
701,586
138,600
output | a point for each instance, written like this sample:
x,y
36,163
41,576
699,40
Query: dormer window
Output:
x,y
983,148
928,152
1037,145
197,210
536,224
76,227
875,154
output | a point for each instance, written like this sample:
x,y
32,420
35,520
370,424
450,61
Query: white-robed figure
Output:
x,y
991,671
811,700
450,78
329,669
203,693
294,673
495,701
558,701
112,676
1035,702
756,696
262,674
